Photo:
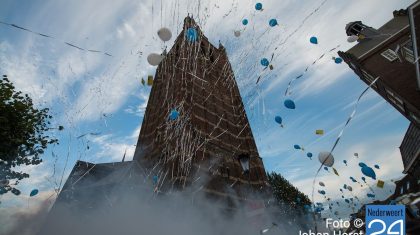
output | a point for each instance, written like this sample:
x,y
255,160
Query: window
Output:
x,y
356,28
408,185
369,78
407,51
203,49
390,55
212,55
177,51
401,190
394,98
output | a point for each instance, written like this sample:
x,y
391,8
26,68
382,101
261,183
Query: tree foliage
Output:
x,y
23,134
285,193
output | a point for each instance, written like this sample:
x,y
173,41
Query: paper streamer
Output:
x,y
306,70
48,36
339,137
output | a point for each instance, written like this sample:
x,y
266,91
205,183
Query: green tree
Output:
x,y
23,134
285,193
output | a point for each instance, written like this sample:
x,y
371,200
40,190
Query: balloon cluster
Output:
x,y
165,35
259,7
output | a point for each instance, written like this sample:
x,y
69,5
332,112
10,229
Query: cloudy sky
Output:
x,y
94,93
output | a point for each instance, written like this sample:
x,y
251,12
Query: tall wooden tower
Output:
x,y
195,129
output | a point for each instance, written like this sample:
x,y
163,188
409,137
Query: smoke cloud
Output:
x,y
126,202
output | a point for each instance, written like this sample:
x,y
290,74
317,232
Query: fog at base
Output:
x,y
136,209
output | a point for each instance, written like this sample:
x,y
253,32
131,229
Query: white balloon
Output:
x,y
326,158
237,33
164,34
352,38
321,183
154,59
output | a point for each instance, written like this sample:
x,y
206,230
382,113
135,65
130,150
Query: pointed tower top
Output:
x,y
189,22
221,47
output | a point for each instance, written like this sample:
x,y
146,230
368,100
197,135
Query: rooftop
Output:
x,y
396,25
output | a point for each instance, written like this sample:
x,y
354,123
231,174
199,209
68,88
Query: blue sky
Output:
x,y
93,93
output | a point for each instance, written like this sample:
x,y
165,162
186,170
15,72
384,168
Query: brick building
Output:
x,y
210,138
390,54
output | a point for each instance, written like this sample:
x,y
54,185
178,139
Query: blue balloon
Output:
x,y
173,115
370,195
347,200
309,155
325,168
33,192
289,104
296,146
278,119
376,166
244,21
265,62
345,162
192,34
273,22
321,192
338,60
369,172
313,40
361,164
258,6
364,179
345,186
15,191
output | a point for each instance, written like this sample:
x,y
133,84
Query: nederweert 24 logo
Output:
x,y
385,219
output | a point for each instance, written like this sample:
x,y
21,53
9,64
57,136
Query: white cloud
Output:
x,y
112,148
23,71
126,29
140,109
